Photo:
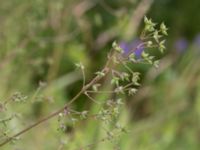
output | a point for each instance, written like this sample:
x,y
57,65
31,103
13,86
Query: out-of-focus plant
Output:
x,y
124,80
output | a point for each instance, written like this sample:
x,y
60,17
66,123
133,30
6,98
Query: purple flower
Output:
x,y
181,45
125,47
197,40
138,52
132,48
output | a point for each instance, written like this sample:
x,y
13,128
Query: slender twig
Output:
x,y
127,67
101,92
128,85
6,120
83,74
91,98
35,94
105,70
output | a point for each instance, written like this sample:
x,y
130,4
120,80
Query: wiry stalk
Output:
x,y
105,70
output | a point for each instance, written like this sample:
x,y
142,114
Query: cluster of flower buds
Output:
x,y
125,80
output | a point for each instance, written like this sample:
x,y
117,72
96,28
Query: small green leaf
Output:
x,y
119,101
125,76
95,87
149,25
114,44
100,73
149,43
156,36
135,78
162,46
116,47
156,63
144,55
115,80
132,91
79,65
84,114
119,90
163,29
132,57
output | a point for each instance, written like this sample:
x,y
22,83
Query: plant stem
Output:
x,y
82,91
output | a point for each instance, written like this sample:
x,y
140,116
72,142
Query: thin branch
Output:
x,y
82,91
128,85
6,119
91,98
83,74
100,91
127,67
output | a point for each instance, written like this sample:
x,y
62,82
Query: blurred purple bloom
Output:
x,y
125,47
138,52
197,41
132,48
181,45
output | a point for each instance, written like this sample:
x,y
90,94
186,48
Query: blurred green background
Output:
x,y
40,40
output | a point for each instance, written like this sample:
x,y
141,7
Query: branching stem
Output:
x,y
48,117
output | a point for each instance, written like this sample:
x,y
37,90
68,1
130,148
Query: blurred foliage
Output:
x,y
40,40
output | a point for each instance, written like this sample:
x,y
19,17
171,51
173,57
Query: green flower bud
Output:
x,y
163,29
